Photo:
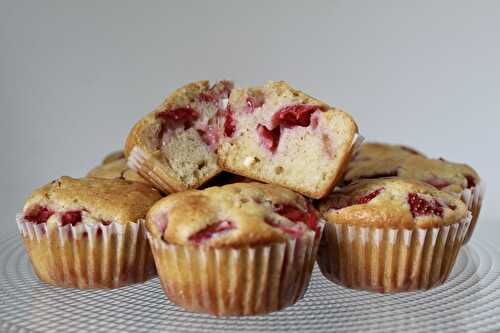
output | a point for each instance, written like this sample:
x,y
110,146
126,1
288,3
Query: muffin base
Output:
x,y
473,198
88,256
390,260
236,281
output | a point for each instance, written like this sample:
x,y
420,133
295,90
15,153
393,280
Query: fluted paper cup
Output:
x,y
473,198
227,281
390,260
88,255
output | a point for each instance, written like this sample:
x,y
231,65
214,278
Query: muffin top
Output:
x,y
116,169
378,151
443,175
113,156
392,202
233,215
89,200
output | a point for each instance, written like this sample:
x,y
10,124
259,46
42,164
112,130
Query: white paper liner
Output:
x,y
236,281
473,198
149,168
88,255
390,260
357,141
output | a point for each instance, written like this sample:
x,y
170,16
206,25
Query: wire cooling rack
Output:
x,y
469,301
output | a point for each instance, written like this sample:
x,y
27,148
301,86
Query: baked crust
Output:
x,y
378,150
116,169
445,175
390,206
113,156
246,205
228,148
109,200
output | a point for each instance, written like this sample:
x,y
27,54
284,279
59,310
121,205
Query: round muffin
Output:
x,y
240,249
456,178
89,233
391,235
116,169
113,156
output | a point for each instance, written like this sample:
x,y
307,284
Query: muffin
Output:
x,y
391,235
239,249
276,134
458,179
89,233
174,147
116,169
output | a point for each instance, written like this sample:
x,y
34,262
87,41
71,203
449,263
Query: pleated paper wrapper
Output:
x,y
88,255
390,260
473,198
227,281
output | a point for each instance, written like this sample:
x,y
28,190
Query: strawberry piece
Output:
x,y
179,115
39,215
71,217
229,122
211,230
471,180
438,183
294,115
369,197
209,135
294,214
207,97
269,138
419,206
294,232
357,201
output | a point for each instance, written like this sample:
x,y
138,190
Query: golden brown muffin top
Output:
x,y
117,169
392,202
377,150
90,200
233,215
444,175
113,156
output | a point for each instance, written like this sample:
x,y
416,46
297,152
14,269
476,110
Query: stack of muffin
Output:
x,y
231,194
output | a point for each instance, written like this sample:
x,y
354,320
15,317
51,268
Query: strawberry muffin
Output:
x,y
89,233
239,249
276,134
391,235
458,179
174,147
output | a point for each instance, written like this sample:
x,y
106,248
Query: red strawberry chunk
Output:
x,y
369,197
269,138
211,230
229,122
357,201
38,215
209,135
294,214
471,180
294,232
294,115
181,115
438,183
71,217
419,206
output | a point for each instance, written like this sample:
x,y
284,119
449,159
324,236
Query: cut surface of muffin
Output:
x,y
174,147
279,135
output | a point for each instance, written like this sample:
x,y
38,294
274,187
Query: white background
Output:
x,y
75,76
